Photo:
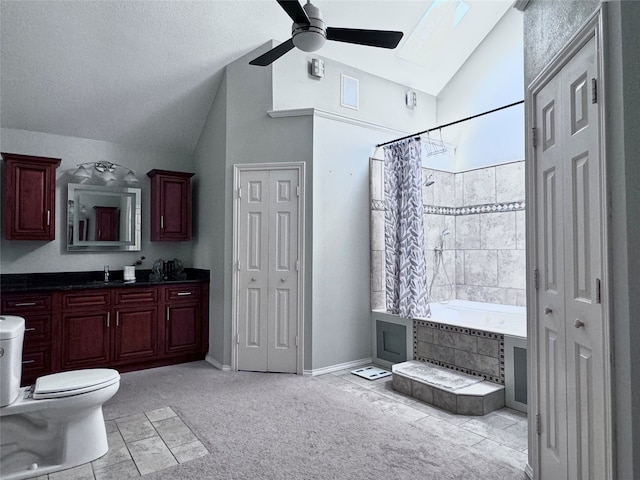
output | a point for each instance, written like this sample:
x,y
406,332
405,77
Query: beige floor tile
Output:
x,y
82,472
120,471
160,414
151,455
136,427
189,451
118,452
174,432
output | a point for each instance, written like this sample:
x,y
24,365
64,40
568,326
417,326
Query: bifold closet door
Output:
x,y
571,333
268,270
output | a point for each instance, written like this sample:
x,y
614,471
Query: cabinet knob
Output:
x,y
547,310
253,279
578,323
283,279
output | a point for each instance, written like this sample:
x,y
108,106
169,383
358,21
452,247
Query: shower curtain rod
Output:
x,y
449,124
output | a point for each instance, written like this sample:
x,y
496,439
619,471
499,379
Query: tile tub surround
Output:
x,y
484,256
454,392
139,445
466,350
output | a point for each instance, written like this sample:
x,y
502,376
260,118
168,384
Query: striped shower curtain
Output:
x,y
406,272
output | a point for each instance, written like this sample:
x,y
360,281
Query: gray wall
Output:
x,y
209,196
547,27
36,256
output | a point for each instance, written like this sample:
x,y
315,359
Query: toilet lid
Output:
x,y
65,384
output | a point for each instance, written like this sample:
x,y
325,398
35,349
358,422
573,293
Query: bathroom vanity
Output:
x,y
75,320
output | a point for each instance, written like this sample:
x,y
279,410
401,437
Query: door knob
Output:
x,y
578,323
547,310
253,279
283,280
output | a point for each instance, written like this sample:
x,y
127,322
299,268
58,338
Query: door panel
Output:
x,y
570,330
267,271
253,239
283,275
551,330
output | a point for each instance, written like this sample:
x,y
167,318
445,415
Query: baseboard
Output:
x,y
528,471
212,361
338,367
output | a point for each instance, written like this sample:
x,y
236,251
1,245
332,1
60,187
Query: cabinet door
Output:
x,y
136,334
30,197
183,328
170,205
85,339
107,224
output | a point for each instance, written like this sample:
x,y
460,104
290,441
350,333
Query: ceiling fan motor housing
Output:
x,y
310,37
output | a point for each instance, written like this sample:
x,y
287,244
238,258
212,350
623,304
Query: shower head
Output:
x,y
444,233
430,181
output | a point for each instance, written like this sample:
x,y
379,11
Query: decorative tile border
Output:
x,y
465,331
378,205
486,208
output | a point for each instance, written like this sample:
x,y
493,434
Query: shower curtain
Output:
x,y
406,272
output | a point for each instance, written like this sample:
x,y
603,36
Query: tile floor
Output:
x,y
503,432
138,445
151,441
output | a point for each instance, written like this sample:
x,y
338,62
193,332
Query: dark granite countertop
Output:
x,y
24,282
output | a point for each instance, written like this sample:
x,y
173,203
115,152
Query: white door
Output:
x,y
571,332
267,270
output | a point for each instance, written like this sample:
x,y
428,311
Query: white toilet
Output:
x,y
56,425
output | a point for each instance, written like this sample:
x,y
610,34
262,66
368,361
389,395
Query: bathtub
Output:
x,y
504,319
392,337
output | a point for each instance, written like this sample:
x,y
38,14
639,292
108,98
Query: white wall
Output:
x,y
492,77
209,208
380,101
341,273
36,256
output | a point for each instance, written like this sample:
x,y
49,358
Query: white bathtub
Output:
x,y
504,319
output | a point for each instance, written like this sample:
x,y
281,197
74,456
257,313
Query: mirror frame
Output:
x,y
74,190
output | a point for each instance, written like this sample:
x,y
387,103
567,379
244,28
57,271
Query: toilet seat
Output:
x,y
75,382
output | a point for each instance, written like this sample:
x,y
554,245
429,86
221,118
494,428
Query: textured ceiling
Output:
x,y
146,72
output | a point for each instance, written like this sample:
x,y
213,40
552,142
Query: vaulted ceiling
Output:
x,y
146,72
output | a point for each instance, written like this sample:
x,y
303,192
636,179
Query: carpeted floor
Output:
x,y
276,426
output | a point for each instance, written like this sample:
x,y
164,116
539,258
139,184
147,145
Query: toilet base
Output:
x,y
40,442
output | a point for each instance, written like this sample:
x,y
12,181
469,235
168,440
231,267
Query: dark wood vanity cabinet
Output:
x,y
123,327
38,310
30,197
170,205
126,328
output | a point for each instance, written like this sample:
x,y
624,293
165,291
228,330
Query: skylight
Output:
x,y
434,29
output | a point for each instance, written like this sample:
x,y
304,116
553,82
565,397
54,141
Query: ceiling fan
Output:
x,y
309,33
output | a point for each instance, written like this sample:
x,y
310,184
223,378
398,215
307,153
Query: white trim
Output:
x,y
237,170
304,112
213,362
528,471
338,367
593,27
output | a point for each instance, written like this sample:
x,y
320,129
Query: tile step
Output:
x,y
453,391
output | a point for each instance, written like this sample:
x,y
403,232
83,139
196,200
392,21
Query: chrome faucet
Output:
x,y
106,273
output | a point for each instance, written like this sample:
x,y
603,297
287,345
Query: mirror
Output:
x,y
102,218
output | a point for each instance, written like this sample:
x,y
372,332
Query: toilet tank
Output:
x,y
11,340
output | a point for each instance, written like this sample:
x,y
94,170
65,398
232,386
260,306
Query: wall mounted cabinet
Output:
x,y
170,205
30,197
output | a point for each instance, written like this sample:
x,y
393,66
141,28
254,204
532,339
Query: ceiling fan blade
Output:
x,y
273,54
294,10
373,38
